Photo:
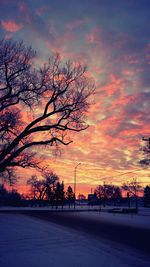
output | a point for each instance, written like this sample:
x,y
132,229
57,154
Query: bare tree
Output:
x,y
43,188
146,151
132,189
99,191
108,192
37,187
56,96
116,194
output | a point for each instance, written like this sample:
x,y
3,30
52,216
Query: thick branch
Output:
x,y
15,154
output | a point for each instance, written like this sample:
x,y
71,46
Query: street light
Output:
x,y
75,172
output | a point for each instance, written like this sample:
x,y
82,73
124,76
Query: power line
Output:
x,y
122,174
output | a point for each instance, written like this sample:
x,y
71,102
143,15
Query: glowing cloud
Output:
x,y
114,43
11,26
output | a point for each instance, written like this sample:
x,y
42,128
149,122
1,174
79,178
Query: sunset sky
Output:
x,y
113,39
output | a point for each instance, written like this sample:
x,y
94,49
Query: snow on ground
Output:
x,y
26,241
141,220
134,220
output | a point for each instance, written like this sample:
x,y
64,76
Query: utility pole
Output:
x,y
75,180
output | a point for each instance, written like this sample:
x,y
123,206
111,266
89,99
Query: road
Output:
x,y
133,237
29,241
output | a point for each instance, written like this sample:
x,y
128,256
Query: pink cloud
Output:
x,y
75,24
22,7
95,36
11,26
8,36
60,43
115,84
41,10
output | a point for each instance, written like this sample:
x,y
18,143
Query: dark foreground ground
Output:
x,y
134,237
35,242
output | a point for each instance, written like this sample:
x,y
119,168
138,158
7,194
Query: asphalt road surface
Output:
x,y
135,238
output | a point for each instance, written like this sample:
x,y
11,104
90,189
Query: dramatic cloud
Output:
x,y
11,26
112,38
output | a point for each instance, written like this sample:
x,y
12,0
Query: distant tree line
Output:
x,y
109,194
49,191
147,196
10,198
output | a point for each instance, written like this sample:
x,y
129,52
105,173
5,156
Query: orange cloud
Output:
x,y
11,26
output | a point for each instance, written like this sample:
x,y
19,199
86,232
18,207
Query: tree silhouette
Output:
x,y
59,194
132,189
99,191
146,151
70,195
147,196
108,192
43,188
3,195
39,106
10,198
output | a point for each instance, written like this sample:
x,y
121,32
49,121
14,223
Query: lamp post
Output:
x,y
75,173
